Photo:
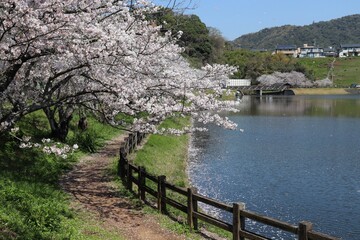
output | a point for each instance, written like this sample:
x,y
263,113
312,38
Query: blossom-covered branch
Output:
x,y
56,55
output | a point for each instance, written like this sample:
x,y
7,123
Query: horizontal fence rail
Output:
x,y
145,182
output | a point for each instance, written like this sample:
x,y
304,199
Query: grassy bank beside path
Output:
x,y
168,155
32,206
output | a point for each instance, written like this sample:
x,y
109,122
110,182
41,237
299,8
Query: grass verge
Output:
x,y
167,155
32,206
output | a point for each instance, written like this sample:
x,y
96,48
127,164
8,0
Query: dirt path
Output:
x,y
92,188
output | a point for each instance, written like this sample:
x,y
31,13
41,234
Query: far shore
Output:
x,y
325,91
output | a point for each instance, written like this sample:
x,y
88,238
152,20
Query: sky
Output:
x,y
238,17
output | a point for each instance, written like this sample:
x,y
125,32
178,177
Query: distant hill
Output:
x,y
324,34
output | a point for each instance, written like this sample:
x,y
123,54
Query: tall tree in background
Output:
x,y
219,45
202,44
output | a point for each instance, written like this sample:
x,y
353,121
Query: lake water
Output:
x,y
298,159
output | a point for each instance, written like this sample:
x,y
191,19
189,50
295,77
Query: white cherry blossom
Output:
x,y
57,55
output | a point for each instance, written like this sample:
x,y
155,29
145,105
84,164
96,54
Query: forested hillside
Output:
x,y
324,34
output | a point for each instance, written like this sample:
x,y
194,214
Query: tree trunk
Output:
x,y
60,128
62,131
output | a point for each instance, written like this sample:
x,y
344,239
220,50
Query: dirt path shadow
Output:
x,y
92,188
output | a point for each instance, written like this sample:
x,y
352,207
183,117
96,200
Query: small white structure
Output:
x,y
231,83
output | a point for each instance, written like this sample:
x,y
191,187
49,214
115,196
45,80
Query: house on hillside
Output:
x,y
307,51
288,50
349,50
330,52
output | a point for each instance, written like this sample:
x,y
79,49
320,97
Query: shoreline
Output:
x,y
324,91
301,92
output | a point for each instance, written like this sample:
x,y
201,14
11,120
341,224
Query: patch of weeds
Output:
x,y
88,141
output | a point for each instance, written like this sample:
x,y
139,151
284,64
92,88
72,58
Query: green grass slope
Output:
x,y
346,70
32,206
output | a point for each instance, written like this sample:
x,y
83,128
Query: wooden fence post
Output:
x,y
142,183
129,176
304,227
242,219
139,137
126,145
161,199
135,141
236,221
131,142
190,208
195,209
122,163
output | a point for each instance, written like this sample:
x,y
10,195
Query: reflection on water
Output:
x,y
334,106
298,159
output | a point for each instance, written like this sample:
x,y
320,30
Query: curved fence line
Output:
x,y
158,187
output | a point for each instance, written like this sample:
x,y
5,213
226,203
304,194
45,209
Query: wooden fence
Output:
x,y
131,174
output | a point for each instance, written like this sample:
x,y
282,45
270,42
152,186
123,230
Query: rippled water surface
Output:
x,y
297,159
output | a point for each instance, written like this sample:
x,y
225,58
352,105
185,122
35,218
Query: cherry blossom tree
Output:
x,y
38,42
57,55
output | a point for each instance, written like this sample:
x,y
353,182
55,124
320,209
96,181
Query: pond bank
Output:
x,y
325,91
